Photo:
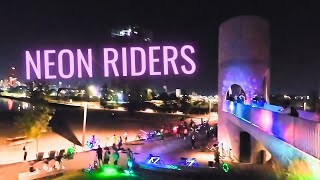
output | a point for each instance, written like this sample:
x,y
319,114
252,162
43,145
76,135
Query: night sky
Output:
x,y
295,34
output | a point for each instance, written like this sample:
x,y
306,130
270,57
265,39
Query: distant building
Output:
x,y
178,92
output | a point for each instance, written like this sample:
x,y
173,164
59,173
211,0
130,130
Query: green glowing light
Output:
x,y
172,167
225,167
111,172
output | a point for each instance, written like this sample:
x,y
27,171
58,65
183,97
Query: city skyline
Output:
x,y
293,40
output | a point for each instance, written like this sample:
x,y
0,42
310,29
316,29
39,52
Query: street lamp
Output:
x,y
85,108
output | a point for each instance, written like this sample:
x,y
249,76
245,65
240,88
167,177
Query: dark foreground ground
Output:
x,y
199,174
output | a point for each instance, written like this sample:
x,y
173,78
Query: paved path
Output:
x,y
170,150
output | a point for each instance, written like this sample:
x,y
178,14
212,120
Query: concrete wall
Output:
x,y
244,54
298,163
234,133
300,133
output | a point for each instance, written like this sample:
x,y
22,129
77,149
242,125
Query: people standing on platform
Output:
x,y
289,109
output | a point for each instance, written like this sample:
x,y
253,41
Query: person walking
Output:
x,y
115,157
99,154
125,135
25,152
106,157
114,137
129,154
208,136
130,159
217,156
193,141
120,143
185,133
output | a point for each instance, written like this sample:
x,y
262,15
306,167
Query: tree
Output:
x,y
38,90
185,102
165,99
105,92
134,100
33,122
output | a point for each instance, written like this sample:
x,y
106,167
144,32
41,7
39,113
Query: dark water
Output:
x,y
9,105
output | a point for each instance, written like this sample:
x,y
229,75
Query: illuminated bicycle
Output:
x,y
189,162
93,142
156,160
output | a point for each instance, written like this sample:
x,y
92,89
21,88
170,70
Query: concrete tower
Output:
x,y
244,54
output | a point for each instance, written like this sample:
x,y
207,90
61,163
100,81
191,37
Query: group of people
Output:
x,y
195,131
119,141
104,157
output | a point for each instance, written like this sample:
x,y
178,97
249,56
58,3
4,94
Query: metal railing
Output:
x,y
301,133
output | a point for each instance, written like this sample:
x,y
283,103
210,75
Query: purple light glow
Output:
x,y
47,64
61,63
86,64
124,62
35,66
133,61
172,59
153,61
112,61
187,58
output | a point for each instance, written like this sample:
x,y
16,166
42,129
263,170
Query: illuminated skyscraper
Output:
x,y
12,77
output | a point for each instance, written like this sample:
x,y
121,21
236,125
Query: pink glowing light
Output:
x,y
87,64
153,61
35,66
10,104
108,61
288,133
171,60
134,71
124,62
188,59
266,121
48,63
61,62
